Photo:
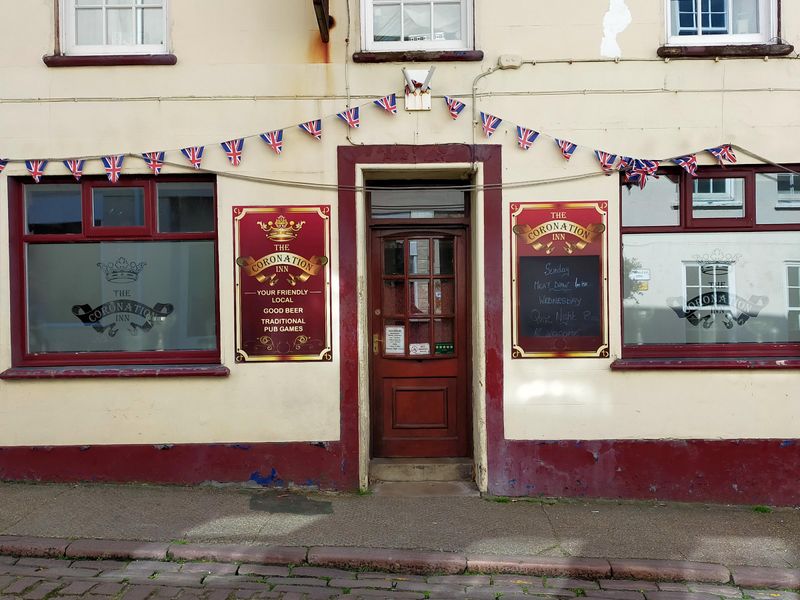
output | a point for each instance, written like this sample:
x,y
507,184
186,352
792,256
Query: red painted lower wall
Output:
x,y
319,464
726,471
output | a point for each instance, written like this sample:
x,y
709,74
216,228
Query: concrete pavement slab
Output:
x,y
19,500
675,531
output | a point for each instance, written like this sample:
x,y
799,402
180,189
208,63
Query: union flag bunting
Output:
x,y
636,178
233,150
351,117
154,161
567,148
194,154
313,128
454,106
3,163
606,160
526,137
274,140
490,123
75,167
388,103
113,166
689,163
723,153
36,168
625,163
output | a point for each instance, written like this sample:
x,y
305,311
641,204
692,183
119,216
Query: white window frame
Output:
x,y
71,48
792,311
767,18
700,265
367,34
726,199
790,199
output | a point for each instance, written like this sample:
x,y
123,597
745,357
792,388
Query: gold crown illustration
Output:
x,y
122,270
281,230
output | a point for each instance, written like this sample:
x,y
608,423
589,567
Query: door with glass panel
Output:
x,y
420,342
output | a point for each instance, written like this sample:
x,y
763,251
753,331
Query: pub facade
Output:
x,y
294,243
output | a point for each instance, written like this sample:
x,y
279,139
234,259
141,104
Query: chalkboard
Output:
x,y
560,297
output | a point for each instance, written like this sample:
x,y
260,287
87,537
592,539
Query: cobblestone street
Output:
x,y
46,578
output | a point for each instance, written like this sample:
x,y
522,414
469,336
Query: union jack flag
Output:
x,y
490,123
313,128
233,150
526,137
113,166
3,163
606,159
194,154
351,117
689,163
625,163
274,139
723,153
75,167
454,106
636,178
567,148
36,168
648,167
388,103
154,160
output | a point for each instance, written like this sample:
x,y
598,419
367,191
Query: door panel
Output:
x,y
419,326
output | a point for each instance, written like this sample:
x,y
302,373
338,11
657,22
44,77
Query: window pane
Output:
x,y
419,338
443,257
390,203
419,297
120,29
718,198
691,288
121,296
419,257
657,204
185,207
118,207
444,296
417,22
394,297
89,27
777,198
119,2
386,23
152,26
447,21
53,209
393,257
683,17
745,16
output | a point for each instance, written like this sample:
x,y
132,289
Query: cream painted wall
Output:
x,y
260,66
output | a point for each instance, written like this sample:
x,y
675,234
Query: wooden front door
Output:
x,y
419,321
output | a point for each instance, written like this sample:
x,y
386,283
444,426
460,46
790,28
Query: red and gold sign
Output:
x,y
559,280
283,291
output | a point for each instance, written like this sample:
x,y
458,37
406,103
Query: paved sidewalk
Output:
x,y
48,578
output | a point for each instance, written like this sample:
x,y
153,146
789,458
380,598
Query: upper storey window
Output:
x,y
390,25
94,27
721,22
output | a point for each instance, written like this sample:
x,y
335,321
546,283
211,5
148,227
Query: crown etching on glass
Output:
x,y
122,270
281,229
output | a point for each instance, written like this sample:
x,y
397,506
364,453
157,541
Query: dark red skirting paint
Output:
x,y
311,464
729,471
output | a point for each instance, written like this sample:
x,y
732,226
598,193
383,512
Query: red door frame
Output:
x,y
490,157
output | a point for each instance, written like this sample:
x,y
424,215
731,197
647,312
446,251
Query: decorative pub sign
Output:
x,y
282,283
558,279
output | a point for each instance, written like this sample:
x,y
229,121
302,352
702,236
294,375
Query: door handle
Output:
x,y
376,342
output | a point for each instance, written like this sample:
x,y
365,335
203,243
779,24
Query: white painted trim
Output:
x,y
69,47
768,14
369,45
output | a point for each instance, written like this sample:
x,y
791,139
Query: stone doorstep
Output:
x,y
413,561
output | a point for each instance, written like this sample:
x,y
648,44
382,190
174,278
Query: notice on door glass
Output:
x,y
395,339
417,349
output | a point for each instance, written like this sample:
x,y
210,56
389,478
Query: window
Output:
x,y
719,22
96,27
417,24
115,273
710,266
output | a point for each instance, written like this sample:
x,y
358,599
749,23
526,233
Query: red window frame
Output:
x,y
20,356
687,224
